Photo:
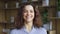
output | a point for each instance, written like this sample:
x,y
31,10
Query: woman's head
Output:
x,y
28,13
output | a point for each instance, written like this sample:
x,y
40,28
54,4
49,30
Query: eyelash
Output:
x,y
31,11
26,11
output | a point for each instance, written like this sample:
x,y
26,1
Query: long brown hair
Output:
x,y
19,21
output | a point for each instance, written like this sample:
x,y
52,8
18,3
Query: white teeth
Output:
x,y
28,16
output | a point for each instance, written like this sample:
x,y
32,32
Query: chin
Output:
x,y
28,20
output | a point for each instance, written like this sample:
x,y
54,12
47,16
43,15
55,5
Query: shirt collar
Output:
x,y
32,30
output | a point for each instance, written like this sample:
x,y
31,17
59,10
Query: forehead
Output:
x,y
28,7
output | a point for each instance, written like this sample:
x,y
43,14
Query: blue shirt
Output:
x,y
33,31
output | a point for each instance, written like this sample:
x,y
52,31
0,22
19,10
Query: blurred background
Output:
x,y
49,9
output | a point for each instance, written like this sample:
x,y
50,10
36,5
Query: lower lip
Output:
x,y
28,17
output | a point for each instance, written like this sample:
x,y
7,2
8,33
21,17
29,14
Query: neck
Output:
x,y
28,26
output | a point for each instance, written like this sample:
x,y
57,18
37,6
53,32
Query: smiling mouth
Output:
x,y
28,16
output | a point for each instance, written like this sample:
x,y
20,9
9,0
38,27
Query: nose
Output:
x,y
28,13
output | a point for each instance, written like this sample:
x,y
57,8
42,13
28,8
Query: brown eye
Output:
x,y
31,11
24,11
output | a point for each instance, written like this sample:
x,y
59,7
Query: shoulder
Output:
x,y
42,30
13,31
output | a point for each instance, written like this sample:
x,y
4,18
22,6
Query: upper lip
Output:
x,y
28,16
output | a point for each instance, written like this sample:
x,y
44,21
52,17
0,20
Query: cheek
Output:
x,y
33,15
24,14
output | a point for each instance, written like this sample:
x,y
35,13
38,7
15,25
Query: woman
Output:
x,y
28,21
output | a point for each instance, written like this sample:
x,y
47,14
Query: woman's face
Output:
x,y
28,13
